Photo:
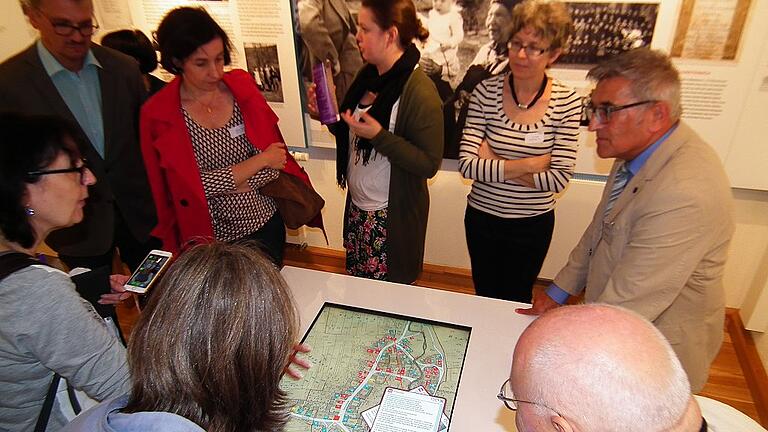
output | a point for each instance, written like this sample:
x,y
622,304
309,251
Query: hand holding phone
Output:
x,y
148,271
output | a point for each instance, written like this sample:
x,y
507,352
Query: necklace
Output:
x,y
535,98
208,107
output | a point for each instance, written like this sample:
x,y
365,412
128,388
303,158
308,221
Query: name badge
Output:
x,y
236,131
534,138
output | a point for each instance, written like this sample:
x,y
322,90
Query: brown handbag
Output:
x,y
297,202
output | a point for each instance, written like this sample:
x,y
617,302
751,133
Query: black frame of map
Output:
x,y
363,311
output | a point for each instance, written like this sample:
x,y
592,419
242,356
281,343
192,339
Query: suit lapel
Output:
x,y
46,91
108,82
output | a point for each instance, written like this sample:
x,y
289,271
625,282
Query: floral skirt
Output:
x,y
365,239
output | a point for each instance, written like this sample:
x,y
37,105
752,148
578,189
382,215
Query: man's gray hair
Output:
x,y
600,392
35,4
651,74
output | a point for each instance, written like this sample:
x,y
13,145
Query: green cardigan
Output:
x,y
415,151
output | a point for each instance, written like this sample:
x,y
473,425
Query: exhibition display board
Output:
x,y
494,326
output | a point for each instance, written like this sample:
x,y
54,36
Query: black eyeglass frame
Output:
x,y
511,403
594,112
79,169
530,51
68,29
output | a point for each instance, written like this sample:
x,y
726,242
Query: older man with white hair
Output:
x,y
595,368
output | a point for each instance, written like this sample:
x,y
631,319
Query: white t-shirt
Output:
x,y
369,184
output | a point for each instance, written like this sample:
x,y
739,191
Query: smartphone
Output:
x,y
149,271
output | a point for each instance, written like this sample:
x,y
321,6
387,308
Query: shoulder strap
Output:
x,y
14,261
45,412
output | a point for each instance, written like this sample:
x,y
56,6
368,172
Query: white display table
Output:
x,y
495,329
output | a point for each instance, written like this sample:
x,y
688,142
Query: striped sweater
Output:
x,y
486,120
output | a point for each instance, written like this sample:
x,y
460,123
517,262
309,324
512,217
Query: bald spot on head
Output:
x,y
600,365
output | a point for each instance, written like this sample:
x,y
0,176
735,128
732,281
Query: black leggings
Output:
x,y
506,253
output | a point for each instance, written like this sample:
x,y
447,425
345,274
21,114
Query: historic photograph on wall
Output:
x,y
603,30
710,29
264,65
467,43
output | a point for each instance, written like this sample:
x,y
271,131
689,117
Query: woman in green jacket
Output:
x,y
389,143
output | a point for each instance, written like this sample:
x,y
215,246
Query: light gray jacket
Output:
x,y
46,327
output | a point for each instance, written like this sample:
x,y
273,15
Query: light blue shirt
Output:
x,y
81,92
633,167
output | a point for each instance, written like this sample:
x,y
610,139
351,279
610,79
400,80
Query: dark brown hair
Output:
x,y
400,14
212,343
182,31
29,143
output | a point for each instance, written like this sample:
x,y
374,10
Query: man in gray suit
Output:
x,y
328,31
658,241
100,90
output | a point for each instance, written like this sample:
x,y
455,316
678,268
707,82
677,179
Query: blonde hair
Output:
x,y
549,19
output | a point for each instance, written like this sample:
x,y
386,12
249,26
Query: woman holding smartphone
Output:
x,y
209,349
389,143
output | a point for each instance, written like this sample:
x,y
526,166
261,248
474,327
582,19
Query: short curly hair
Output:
x,y
30,143
182,31
550,19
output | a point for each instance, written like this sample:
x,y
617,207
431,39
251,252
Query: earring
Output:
x,y
29,211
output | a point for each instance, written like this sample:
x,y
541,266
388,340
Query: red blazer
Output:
x,y
182,209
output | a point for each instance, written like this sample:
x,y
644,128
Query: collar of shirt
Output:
x,y
53,67
635,164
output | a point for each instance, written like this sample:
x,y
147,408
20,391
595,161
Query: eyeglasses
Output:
x,y
508,397
78,169
531,51
86,28
602,113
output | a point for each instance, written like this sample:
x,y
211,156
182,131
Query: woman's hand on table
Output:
x,y
295,363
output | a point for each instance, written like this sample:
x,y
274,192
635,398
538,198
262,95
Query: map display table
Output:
x,y
495,328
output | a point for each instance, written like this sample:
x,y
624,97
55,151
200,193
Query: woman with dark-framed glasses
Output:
x,y
46,328
519,146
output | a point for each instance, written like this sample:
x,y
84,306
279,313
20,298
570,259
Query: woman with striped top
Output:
x,y
519,146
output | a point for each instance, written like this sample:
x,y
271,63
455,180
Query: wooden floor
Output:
x,y
734,377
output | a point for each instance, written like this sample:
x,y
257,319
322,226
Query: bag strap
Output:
x,y
45,413
12,262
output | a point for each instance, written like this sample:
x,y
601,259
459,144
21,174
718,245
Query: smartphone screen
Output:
x,y
148,271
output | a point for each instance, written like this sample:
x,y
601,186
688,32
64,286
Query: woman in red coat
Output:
x,y
210,142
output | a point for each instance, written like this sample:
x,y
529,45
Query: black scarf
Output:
x,y
388,88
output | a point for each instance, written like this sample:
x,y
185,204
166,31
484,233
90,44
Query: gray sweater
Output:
x,y
46,327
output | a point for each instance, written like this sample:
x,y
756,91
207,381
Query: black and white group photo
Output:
x,y
263,63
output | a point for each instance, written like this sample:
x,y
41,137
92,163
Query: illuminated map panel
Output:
x,y
357,353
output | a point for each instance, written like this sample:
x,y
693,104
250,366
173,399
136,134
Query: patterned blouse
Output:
x,y
234,214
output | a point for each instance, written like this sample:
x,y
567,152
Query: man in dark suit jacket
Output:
x,y
101,91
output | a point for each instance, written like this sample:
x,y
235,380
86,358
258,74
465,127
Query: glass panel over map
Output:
x,y
357,353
